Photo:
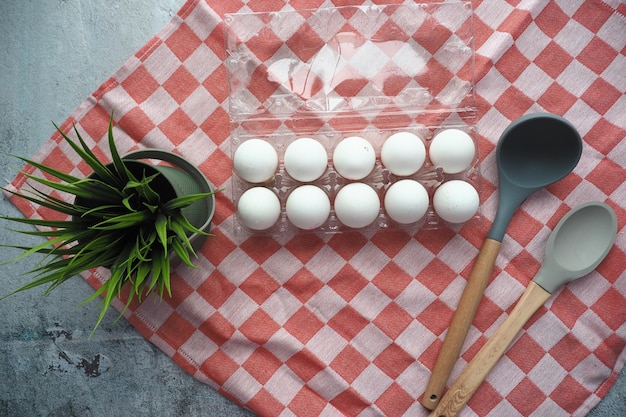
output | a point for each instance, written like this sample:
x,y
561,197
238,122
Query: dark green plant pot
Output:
x,y
178,179
185,178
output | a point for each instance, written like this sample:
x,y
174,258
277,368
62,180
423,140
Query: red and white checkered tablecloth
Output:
x,y
351,323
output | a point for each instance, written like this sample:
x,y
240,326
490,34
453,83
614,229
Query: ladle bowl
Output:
x,y
533,152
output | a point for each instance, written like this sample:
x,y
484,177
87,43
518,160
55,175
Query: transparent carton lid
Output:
x,y
410,59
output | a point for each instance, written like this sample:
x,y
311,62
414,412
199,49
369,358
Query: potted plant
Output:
x,y
129,216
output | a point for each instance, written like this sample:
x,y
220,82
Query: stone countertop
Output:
x,y
55,53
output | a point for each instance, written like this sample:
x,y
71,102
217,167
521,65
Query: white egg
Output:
x,y
305,159
456,201
258,208
453,150
403,153
255,161
307,207
357,205
354,158
406,201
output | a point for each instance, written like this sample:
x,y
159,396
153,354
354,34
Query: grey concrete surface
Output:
x,y
53,54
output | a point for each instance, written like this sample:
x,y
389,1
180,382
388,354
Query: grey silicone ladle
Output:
x,y
576,246
535,151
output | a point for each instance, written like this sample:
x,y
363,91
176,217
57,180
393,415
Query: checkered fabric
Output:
x,y
351,323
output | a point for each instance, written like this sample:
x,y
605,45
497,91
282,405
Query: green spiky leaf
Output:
x,y
117,220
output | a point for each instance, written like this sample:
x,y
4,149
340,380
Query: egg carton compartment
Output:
x,y
351,59
281,184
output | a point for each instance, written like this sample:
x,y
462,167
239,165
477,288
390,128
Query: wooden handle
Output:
x,y
477,370
461,322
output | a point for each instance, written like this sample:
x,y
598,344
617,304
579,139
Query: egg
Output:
x,y
453,150
403,153
354,158
305,159
258,208
357,205
255,161
406,201
307,207
456,201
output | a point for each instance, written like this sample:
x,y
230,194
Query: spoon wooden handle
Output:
x,y
479,367
461,322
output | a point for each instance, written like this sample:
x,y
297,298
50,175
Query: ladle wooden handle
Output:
x,y
461,322
479,367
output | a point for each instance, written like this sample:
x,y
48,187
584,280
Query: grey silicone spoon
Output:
x,y
576,246
533,152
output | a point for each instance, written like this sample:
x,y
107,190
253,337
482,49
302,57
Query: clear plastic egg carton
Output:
x,y
380,179
339,72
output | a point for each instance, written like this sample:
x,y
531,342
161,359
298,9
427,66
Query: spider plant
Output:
x,y
119,219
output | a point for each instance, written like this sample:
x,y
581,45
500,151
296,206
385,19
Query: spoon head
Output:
x,y
577,245
536,150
